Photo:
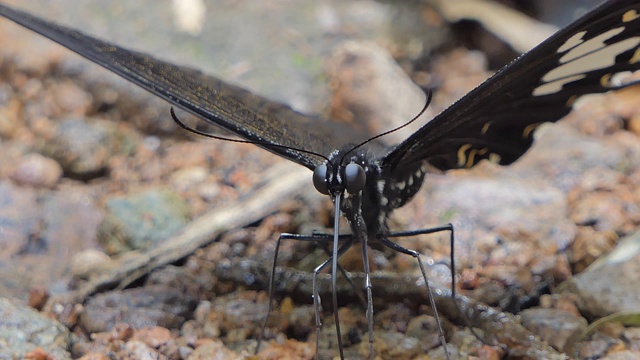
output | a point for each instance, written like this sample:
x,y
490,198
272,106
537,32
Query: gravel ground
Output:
x,y
95,174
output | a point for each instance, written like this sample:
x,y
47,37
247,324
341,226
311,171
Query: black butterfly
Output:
x,y
367,182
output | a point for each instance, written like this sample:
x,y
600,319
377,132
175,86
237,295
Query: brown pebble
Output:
x,y
38,297
38,354
205,350
37,171
94,356
291,349
633,124
154,336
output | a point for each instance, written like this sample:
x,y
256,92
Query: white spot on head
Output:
x,y
400,185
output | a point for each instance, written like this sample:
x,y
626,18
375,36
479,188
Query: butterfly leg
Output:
x,y
359,230
323,238
346,274
368,287
270,291
316,297
390,244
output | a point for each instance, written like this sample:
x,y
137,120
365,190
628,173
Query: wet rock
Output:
x,y
139,307
141,220
556,327
23,330
82,148
37,171
606,287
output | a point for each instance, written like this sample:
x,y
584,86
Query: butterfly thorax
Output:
x,y
376,194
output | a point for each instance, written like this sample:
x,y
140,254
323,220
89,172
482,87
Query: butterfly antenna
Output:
x,y
429,95
258,143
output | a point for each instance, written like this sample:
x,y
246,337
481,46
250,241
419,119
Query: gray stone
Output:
x,y
610,285
139,307
141,220
23,329
555,326
82,148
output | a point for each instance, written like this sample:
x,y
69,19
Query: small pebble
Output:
x,y
87,261
37,171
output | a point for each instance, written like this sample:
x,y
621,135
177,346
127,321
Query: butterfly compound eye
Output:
x,y
355,178
320,179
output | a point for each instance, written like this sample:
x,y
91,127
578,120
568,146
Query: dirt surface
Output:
x,y
93,172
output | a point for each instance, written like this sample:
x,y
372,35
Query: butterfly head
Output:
x,y
334,179
345,171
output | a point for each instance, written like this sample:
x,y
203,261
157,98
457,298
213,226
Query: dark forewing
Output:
x,y
496,120
250,116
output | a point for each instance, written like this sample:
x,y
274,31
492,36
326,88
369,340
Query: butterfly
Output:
x,y
365,179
